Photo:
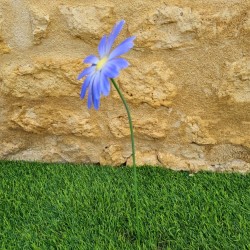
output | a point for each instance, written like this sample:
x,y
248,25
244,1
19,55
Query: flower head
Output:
x,y
108,65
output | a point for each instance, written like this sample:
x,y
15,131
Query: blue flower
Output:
x,y
108,65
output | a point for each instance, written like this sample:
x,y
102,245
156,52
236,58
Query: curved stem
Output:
x,y
133,155
129,119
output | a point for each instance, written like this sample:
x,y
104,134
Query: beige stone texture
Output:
x,y
166,27
88,21
145,90
112,155
3,46
237,85
39,23
188,83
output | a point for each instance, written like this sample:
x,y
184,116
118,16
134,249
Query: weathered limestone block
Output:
x,y
4,48
112,155
196,130
119,126
176,162
1,22
144,127
237,84
151,128
40,152
171,161
188,157
39,23
10,148
235,132
148,83
148,157
17,13
227,23
49,148
223,153
167,27
72,149
233,166
246,25
88,22
43,78
40,119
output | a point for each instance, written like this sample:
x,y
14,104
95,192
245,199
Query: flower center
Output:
x,y
101,63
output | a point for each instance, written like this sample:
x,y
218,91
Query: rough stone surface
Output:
x,y
237,84
3,46
39,23
112,155
41,119
188,83
145,90
87,22
43,77
168,27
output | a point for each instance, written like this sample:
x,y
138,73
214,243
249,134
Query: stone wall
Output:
x,y
188,85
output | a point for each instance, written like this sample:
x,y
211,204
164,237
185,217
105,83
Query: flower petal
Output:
x,y
96,87
90,98
96,103
102,46
85,85
91,59
110,70
123,47
96,90
85,72
105,85
121,63
115,32
90,94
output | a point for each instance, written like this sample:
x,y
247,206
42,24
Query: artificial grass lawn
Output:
x,y
63,206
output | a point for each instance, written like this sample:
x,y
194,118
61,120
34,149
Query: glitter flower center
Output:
x,y
101,63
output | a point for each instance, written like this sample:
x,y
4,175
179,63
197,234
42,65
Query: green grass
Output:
x,y
63,206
